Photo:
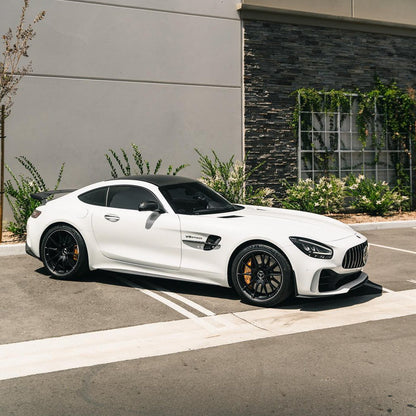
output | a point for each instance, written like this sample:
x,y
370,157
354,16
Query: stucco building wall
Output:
x,y
165,75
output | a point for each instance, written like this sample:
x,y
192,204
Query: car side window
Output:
x,y
128,197
95,197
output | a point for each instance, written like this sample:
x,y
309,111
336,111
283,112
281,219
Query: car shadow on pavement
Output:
x,y
363,294
176,286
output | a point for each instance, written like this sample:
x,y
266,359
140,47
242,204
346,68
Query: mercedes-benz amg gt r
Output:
x,y
178,228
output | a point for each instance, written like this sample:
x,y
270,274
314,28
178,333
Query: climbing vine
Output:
x,y
386,113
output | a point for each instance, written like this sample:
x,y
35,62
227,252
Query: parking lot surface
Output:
x,y
351,354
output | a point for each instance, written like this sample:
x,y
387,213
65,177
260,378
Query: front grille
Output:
x,y
356,256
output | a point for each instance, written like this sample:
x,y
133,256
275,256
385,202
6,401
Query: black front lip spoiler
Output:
x,y
30,252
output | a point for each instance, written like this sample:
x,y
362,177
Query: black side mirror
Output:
x,y
149,206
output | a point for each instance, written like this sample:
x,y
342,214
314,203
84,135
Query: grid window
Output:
x,y
329,145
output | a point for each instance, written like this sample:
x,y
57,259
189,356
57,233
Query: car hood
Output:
x,y
294,223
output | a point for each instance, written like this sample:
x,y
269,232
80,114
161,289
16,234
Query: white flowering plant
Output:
x,y
373,198
322,197
230,180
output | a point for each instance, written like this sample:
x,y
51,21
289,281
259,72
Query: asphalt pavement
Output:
x,y
129,345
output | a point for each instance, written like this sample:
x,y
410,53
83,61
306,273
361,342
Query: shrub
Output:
x,y
229,179
142,166
324,197
18,190
373,198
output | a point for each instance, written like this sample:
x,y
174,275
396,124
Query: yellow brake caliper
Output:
x,y
247,272
76,253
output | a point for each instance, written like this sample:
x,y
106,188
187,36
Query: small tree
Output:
x,y
12,70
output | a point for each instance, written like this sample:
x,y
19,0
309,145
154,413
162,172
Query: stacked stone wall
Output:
x,y
280,58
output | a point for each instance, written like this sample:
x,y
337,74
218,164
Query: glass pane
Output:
x,y
356,161
128,197
306,121
355,142
318,121
306,143
345,122
370,160
306,161
325,161
95,197
332,122
319,141
345,141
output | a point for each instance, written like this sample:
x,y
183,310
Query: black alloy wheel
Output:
x,y
64,253
261,275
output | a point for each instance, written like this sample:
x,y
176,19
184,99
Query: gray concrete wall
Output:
x,y
163,74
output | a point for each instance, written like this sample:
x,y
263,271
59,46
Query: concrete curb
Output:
x,y
12,249
368,226
19,249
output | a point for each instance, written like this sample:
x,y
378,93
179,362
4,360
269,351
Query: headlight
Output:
x,y
312,248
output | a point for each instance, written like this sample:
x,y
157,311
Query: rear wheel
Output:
x,y
64,253
261,275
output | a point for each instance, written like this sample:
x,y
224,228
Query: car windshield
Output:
x,y
194,198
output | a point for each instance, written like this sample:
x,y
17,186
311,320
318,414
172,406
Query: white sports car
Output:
x,y
177,228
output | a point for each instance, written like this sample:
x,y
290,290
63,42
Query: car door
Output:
x,y
145,238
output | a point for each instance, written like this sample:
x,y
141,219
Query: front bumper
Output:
x,y
338,275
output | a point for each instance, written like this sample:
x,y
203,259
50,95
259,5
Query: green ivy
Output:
x,y
394,107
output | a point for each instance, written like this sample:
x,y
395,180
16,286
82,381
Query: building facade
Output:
x,y
174,75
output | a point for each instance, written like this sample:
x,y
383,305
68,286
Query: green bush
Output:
x,y
373,198
122,167
18,190
323,197
229,179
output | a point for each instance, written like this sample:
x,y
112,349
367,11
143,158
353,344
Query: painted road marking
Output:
x,y
218,320
412,281
182,299
393,248
103,347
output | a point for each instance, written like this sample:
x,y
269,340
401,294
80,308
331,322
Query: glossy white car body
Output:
x,y
171,245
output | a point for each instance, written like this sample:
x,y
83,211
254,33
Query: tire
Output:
x,y
261,275
64,253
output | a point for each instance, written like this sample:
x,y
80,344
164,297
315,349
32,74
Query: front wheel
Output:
x,y
261,275
64,253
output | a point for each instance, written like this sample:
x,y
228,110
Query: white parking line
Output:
x,y
393,248
182,299
412,281
165,301
219,322
150,340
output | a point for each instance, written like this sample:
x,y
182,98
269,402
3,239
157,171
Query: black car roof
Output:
x,y
159,180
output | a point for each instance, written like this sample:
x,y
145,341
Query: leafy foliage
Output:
x,y
324,197
386,114
18,190
332,195
229,179
373,198
120,165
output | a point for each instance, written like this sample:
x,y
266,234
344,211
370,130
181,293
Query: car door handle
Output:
x,y
111,218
